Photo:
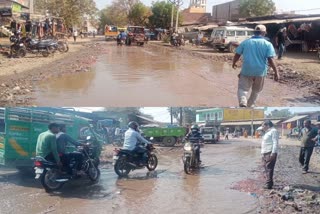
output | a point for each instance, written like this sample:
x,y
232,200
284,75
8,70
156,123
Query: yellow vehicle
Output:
x,y
111,32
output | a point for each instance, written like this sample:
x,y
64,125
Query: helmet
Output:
x,y
134,125
194,128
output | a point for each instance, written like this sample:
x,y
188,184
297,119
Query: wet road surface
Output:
x,y
155,76
167,190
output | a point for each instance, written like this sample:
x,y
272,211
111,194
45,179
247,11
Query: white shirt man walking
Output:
x,y
269,151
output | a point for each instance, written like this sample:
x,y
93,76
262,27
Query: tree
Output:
x,y
112,15
188,114
72,11
161,15
251,8
139,14
283,113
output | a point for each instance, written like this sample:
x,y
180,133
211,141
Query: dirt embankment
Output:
x,y
293,191
298,70
18,76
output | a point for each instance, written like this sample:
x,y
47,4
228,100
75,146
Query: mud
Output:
x,y
100,73
230,179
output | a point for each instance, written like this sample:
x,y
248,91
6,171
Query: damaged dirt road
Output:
x,y
229,182
154,75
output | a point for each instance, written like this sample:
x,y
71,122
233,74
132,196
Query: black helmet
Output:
x,y
134,125
194,128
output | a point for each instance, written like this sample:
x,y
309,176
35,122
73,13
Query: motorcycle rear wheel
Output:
x,y
47,180
187,166
152,162
121,167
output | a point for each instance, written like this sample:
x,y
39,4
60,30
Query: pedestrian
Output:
x,y
257,52
280,41
226,137
269,151
75,34
307,143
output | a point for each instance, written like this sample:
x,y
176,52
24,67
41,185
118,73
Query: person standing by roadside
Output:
x,y
280,41
269,151
75,34
226,137
257,52
307,143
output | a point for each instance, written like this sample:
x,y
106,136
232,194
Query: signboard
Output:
x,y
16,8
242,114
5,12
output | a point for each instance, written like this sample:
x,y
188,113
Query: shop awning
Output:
x,y
246,123
295,118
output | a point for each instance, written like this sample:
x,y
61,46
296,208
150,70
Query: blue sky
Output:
x,y
285,5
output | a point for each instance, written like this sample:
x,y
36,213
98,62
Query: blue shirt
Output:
x,y
131,138
255,52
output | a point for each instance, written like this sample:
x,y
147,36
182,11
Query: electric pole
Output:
x,y
180,116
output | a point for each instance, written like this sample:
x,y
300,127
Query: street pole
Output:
x,y
172,11
179,3
252,131
171,115
180,116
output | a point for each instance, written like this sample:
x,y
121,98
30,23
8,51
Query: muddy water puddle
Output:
x,y
150,76
168,189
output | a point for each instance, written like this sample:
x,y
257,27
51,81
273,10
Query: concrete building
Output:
x,y
229,11
198,6
209,115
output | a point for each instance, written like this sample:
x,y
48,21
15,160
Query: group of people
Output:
x,y
270,146
51,145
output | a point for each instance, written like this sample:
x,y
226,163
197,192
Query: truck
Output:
x,y
210,133
167,136
20,127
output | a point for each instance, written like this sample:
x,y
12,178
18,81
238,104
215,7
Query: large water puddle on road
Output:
x,y
135,76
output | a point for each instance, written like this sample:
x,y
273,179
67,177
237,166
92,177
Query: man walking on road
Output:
x,y
308,140
269,151
257,52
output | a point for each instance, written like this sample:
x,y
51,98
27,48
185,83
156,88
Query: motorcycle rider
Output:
x,y
195,134
131,139
47,146
62,140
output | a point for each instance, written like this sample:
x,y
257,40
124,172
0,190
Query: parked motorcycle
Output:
x,y
52,178
177,41
17,49
126,161
45,47
190,159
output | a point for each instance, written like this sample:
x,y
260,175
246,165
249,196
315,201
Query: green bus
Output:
x,y
20,127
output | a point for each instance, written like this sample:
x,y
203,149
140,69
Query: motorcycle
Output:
x,y
126,161
177,41
17,49
45,47
190,159
120,42
52,178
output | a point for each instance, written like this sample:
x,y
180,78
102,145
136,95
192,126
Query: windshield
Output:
x,y
208,131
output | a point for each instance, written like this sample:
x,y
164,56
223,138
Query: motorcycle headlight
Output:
x,y
188,147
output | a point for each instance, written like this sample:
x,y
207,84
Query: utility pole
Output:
x,y
171,115
180,116
252,131
173,2
179,3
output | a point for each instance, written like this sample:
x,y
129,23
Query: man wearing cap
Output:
x,y
257,52
269,151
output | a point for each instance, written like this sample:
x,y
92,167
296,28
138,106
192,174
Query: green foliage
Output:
x,y
283,113
139,14
252,8
72,11
161,15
